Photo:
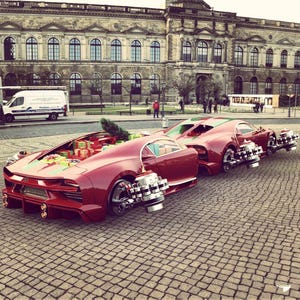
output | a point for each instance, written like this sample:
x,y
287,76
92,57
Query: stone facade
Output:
x,y
121,52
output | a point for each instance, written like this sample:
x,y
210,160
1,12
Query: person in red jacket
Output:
x,y
155,107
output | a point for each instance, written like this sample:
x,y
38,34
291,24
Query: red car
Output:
x,y
94,174
224,143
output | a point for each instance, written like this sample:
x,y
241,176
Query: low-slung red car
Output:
x,y
94,174
224,143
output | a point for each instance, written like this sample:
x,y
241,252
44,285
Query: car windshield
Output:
x,y
179,129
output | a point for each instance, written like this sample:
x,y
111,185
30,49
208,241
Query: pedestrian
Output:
x,y
216,106
210,104
181,105
261,106
204,106
155,107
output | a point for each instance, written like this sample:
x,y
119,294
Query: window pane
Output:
x,y
95,48
31,49
53,49
116,48
135,51
75,49
155,52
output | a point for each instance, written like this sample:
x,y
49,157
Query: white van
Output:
x,y
51,103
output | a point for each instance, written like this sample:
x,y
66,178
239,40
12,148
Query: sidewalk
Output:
x,y
82,117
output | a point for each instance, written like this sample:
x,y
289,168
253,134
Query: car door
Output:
x,y
246,131
171,160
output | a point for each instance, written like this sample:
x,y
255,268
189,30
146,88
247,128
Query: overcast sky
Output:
x,y
287,10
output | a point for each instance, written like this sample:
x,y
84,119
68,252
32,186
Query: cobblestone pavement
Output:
x,y
233,236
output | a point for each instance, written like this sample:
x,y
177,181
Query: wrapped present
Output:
x,y
82,144
83,153
66,153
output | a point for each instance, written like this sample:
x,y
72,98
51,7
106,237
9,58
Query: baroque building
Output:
x,y
131,53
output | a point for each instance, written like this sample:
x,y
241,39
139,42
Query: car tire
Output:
x,y
271,149
9,118
227,157
53,117
118,197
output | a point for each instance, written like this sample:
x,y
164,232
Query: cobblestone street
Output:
x,y
233,236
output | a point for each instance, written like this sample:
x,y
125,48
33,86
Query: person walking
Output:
x,y
155,107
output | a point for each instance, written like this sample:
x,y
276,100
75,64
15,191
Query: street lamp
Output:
x,y
2,117
163,87
290,89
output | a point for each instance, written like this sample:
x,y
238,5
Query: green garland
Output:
x,y
114,130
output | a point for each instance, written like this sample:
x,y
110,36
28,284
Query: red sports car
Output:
x,y
94,174
223,143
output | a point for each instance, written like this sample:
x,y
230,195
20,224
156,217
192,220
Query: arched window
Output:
x,y
253,86
218,53
116,51
269,86
238,85
136,51
155,52
116,84
283,59
187,51
238,56
31,49
282,86
202,52
54,79
75,84
74,50
297,86
53,49
96,88
154,84
297,60
9,49
95,50
136,84
269,58
33,79
254,57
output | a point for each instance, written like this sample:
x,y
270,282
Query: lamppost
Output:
x,y
163,87
290,89
2,117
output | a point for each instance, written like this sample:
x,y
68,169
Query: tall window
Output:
x,y
253,86
116,84
136,51
74,50
238,85
297,60
54,79
269,58
115,51
96,88
283,59
75,84
135,84
218,53
282,86
154,84
53,49
254,57
31,49
187,51
202,52
297,86
33,79
269,86
95,50
9,49
155,52
238,56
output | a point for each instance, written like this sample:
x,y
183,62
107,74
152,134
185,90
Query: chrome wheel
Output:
x,y
118,200
228,157
271,145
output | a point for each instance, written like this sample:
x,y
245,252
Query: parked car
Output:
x,y
224,143
95,174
